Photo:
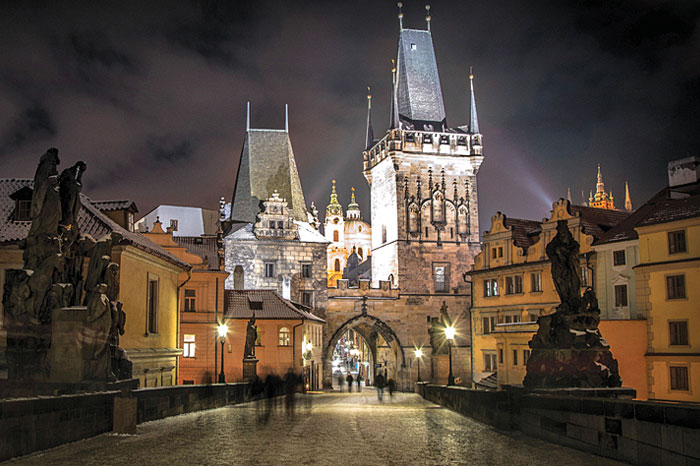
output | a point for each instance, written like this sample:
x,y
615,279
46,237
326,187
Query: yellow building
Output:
x,y
513,285
148,278
667,279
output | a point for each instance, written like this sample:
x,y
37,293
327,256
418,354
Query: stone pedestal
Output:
x,y
250,369
65,356
125,415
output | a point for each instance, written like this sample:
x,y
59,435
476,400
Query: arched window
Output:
x,y
238,278
337,265
284,336
335,236
359,253
463,225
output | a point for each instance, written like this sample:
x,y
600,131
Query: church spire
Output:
x,y
427,16
394,124
628,199
370,132
568,196
599,187
473,118
353,212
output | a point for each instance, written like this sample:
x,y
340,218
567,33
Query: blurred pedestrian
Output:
x,y
341,381
392,386
349,380
359,382
291,381
379,383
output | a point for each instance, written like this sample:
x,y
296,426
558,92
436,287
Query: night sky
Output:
x,y
152,94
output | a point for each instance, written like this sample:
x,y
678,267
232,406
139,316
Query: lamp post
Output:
x,y
222,329
419,354
450,335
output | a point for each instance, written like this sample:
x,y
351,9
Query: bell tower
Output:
x,y
423,179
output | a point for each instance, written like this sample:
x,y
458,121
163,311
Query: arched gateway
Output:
x,y
383,342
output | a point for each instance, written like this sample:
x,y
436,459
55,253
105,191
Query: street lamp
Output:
x,y
222,329
419,354
450,335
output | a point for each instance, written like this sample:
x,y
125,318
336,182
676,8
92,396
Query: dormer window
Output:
x,y
23,204
173,224
23,210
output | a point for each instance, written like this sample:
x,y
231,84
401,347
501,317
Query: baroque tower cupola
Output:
x,y
353,211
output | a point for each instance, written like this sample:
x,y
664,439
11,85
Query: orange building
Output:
x,y
289,336
200,302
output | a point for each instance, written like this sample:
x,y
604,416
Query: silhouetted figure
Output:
x,y
379,382
341,381
359,382
392,386
272,387
349,380
291,381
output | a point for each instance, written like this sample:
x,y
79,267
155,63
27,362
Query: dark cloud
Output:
x,y
170,151
147,92
33,124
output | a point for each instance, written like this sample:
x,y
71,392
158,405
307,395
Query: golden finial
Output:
x,y
393,65
400,5
369,93
427,16
471,74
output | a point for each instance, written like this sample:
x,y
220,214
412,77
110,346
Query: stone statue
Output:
x,y
563,254
70,185
97,335
251,336
437,331
568,349
46,201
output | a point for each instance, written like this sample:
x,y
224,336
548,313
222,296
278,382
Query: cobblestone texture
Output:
x,y
331,428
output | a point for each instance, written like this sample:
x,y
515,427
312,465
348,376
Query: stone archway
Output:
x,y
365,325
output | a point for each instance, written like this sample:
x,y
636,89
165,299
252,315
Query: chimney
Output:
x,y
684,171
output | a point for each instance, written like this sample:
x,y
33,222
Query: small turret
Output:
x,y
353,212
334,208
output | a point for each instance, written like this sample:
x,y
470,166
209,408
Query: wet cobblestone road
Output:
x,y
332,428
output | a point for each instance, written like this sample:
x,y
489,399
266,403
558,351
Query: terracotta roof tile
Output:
x,y
238,306
90,221
115,205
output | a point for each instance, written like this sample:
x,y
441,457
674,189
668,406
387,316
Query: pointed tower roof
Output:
x,y
473,118
266,164
568,195
628,199
418,91
334,207
370,132
394,123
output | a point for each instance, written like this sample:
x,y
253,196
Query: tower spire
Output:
x,y
473,118
628,199
247,118
286,118
400,5
370,131
568,196
427,16
394,124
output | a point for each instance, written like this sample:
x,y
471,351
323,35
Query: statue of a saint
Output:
x,y
563,253
46,201
251,335
70,185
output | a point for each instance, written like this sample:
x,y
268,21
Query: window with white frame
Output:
x,y
284,336
188,346
190,300
490,364
536,282
621,295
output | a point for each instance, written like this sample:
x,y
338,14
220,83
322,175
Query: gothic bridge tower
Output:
x,y
422,178
425,231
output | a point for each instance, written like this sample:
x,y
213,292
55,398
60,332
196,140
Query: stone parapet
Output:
x,y
639,432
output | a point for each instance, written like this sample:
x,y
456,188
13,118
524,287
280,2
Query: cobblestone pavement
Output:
x,y
331,428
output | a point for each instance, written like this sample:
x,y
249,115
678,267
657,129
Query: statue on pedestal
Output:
x,y
251,336
568,349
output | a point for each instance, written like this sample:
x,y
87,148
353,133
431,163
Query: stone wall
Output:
x,y
161,402
639,432
32,424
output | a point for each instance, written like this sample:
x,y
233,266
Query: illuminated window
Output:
x,y
490,364
440,276
336,265
188,347
284,336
